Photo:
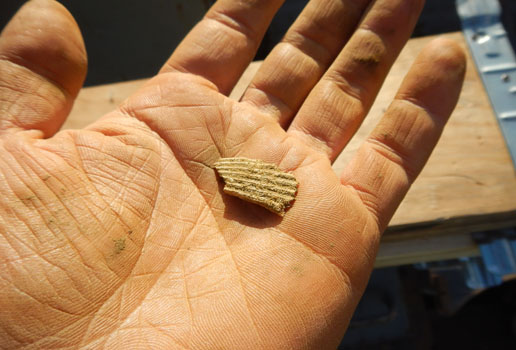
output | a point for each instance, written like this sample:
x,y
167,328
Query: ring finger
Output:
x,y
336,106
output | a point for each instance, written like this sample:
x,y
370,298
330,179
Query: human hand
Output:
x,y
118,236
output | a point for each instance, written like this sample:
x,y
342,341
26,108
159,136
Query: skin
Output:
x,y
119,236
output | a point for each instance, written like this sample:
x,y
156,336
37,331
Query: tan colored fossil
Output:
x,y
258,182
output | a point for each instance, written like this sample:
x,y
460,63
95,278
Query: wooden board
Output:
x,y
468,185
469,182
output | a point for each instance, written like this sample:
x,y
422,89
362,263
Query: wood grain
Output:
x,y
469,183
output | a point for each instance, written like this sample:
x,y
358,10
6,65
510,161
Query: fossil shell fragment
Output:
x,y
258,182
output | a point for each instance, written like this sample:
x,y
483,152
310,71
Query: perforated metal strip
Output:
x,y
495,61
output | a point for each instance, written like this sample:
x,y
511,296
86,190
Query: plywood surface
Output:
x,y
469,183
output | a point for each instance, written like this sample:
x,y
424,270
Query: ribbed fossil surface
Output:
x,y
258,182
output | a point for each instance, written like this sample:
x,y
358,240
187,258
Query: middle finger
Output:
x,y
296,64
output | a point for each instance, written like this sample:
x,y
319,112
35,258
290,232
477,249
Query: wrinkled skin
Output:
x,y
118,236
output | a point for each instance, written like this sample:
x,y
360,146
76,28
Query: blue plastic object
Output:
x,y
498,251
496,262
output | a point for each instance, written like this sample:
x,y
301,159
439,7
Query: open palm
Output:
x,y
119,236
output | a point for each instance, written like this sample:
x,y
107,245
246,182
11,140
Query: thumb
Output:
x,y
42,68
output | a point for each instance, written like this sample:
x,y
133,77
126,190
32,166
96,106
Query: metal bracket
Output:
x,y
495,60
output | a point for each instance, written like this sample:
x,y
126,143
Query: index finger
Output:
x,y
224,42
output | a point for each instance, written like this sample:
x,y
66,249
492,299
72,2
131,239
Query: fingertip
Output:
x,y
447,54
435,79
44,37
43,64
